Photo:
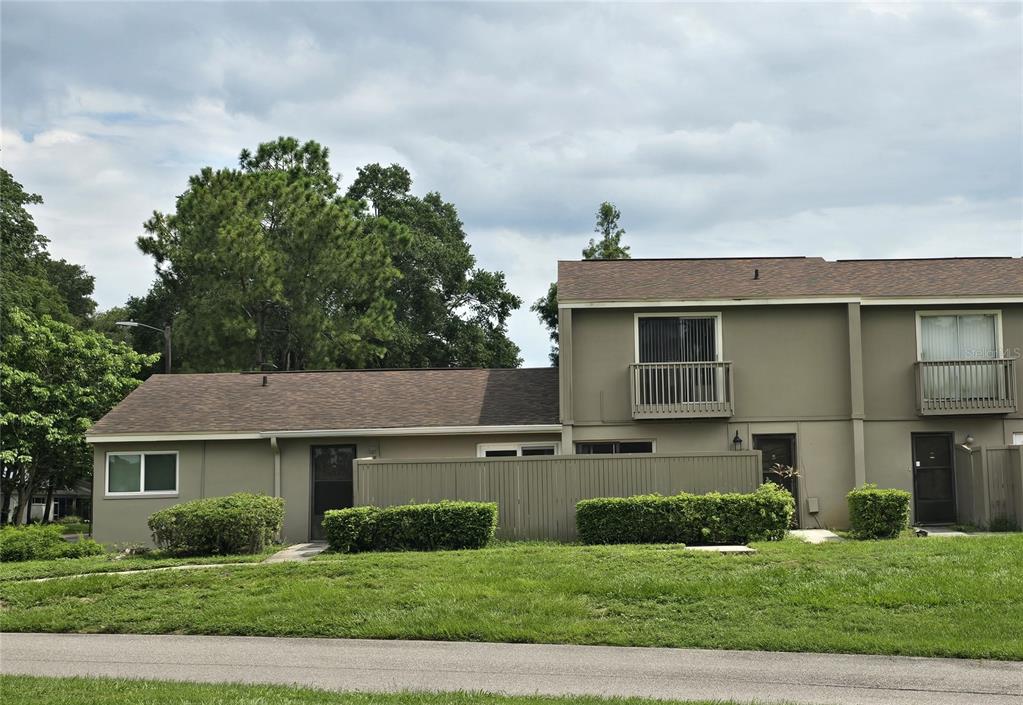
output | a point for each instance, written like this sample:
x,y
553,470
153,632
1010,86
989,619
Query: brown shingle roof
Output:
x,y
786,277
335,400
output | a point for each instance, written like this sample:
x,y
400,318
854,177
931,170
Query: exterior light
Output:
x,y
166,330
737,442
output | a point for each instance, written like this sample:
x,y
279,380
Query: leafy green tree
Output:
x,y
448,311
267,265
30,279
609,246
57,382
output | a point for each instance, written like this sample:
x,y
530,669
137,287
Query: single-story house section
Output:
x,y
295,435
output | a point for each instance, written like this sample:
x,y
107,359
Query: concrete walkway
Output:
x,y
299,552
815,535
340,664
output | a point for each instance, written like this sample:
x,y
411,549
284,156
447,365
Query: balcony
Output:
x,y
966,387
680,390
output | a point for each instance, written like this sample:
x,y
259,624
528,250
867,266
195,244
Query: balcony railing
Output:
x,y
675,390
966,387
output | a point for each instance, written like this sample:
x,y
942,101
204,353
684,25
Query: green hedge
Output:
x,y
237,523
878,514
414,527
42,542
684,518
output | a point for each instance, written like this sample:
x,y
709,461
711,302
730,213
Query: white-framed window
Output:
x,y
142,473
678,337
1017,439
513,450
958,335
613,447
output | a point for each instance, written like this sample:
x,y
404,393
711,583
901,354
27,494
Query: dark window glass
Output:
x,y
611,447
161,473
636,447
538,450
506,453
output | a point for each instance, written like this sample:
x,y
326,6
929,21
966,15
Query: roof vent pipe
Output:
x,y
756,273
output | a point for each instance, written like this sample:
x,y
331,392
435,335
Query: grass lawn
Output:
x,y
26,690
26,570
926,597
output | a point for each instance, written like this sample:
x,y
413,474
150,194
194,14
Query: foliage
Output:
x,y
1003,522
877,514
416,527
448,311
907,596
608,247
30,279
267,265
42,542
713,518
57,382
238,523
70,519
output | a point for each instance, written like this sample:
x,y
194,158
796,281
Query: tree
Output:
x,y
267,265
448,311
57,382
608,247
30,279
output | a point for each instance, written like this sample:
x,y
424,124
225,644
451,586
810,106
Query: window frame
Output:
x,y
482,448
997,313
142,474
718,338
651,441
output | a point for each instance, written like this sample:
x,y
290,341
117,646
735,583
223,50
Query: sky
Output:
x,y
824,129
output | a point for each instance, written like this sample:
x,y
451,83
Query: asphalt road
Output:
x,y
341,664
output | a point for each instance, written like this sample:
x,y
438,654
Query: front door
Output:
x,y
332,482
934,480
779,449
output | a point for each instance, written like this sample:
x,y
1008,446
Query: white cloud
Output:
x,y
861,130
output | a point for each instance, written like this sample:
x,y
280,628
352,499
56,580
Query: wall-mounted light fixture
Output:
x,y
737,442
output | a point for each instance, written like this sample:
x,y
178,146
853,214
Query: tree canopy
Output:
x,y
268,266
609,246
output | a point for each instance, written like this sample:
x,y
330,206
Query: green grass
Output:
x,y
28,570
27,690
926,597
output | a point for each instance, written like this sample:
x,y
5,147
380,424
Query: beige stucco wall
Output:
x,y
216,468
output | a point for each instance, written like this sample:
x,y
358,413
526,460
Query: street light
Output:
x,y
166,340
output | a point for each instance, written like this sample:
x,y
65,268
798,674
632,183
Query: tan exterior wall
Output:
x,y
217,468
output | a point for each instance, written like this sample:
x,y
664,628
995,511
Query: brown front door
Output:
x,y
934,480
780,449
331,473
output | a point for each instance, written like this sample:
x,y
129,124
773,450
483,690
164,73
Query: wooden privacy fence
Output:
x,y
536,495
989,485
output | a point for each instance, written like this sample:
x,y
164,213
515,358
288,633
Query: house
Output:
x,y
848,371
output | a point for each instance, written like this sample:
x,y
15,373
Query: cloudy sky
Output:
x,y
868,130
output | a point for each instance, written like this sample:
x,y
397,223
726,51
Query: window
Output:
x,y
678,358
512,450
614,447
142,473
949,336
959,336
1017,439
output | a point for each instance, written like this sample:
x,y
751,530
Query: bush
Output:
x,y
1003,522
684,518
237,523
877,514
414,527
69,519
42,542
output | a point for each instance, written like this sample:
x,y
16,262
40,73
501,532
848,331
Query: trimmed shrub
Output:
x,y
42,542
69,519
414,527
877,514
684,518
237,523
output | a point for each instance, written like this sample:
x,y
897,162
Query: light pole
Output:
x,y
166,340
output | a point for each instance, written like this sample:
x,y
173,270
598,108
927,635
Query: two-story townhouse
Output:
x,y
848,371
882,371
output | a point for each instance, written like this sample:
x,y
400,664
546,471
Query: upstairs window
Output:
x,y
139,473
679,360
959,336
678,339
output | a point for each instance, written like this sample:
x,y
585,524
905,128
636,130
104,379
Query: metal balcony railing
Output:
x,y
946,387
676,390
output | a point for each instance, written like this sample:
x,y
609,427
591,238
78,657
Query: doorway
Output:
x,y
934,479
331,481
779,449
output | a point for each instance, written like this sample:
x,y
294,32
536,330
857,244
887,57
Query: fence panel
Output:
x,y
536,495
